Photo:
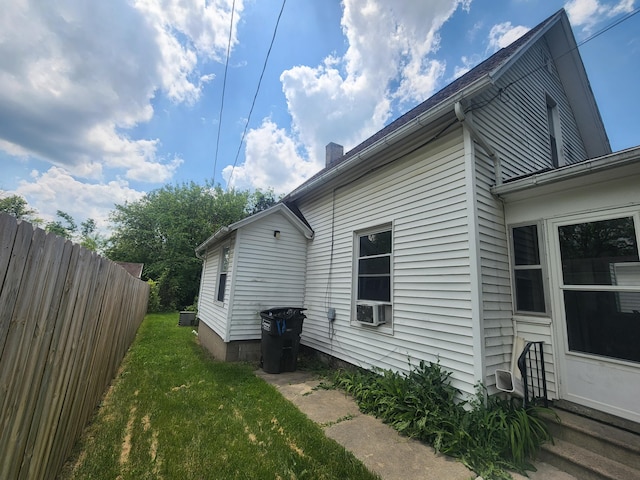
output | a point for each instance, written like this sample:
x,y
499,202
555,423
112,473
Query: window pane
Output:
x,y
525,245
529,291
374,288
375,244
376,265
604,323
594,253
225,259
221,286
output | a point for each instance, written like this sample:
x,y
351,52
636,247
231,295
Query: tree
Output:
x,y
16,206
58,228
89,238
259,201
163,229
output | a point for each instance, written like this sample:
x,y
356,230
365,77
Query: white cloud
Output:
x,y
467,64
504,34
587,13
272,161
56,189
388,63
76,76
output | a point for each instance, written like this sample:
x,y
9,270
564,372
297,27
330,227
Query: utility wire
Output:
x,y
224,86
609,27
503,90
264,67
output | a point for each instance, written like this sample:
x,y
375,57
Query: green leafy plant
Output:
x,y
154,297
489,434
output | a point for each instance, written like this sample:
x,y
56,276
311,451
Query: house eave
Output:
x,y
224,232
278,208
614,165
218,236
393,138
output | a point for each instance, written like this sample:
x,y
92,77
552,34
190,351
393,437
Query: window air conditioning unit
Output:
x,y
371,314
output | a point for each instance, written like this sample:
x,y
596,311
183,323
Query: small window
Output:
x,y
222,276
553,123
373,266
527,270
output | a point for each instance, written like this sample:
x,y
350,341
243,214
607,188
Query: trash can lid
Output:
x,y
282,311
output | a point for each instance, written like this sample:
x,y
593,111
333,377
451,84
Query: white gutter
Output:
x,y
613,160
462,118
224,231
392,138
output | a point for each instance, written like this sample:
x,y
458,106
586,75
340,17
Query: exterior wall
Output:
x,y
496,309
270,272
515,121
515,124
210,311
423,196
544,206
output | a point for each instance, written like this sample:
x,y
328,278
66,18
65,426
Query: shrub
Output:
x,y
154,297
487,433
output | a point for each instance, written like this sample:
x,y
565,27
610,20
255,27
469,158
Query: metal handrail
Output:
x,y
534,377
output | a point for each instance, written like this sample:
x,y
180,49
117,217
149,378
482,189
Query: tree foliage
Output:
x,y
163,229
17,206
65,227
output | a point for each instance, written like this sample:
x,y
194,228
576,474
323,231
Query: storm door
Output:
x,y
600,293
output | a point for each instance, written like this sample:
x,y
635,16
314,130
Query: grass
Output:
x,y
175,413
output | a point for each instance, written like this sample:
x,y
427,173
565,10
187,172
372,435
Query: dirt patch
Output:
x,y
146,422
128,433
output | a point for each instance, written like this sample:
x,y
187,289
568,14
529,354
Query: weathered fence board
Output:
x,y
67,317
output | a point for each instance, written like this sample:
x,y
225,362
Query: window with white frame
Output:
x,y
222,273
528,277
373,266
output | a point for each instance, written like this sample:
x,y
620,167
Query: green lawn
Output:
x,y
174,413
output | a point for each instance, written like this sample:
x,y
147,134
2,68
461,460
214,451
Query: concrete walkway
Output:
x,y
381,448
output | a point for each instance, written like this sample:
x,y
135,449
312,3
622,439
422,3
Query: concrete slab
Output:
x,y
394,457
381,448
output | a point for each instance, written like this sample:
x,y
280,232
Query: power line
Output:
x,y
609,27
264,67
224,86
503,90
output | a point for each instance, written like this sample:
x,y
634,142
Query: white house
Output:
x,y
492,210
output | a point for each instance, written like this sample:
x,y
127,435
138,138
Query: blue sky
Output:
x,y
103,101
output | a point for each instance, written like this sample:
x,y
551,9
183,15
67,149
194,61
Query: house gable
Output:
x,y
451,281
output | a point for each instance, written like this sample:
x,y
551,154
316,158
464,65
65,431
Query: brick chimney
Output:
x,y
333,152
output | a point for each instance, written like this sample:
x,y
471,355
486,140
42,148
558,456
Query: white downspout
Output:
x,y
462,118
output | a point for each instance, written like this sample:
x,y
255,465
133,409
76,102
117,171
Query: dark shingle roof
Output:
x,y
486,67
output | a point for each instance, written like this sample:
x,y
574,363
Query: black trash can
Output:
x,y
281,330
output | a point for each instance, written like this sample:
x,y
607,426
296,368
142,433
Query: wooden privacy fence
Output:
x,y
67,317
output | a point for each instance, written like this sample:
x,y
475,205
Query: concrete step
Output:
x,y
585,464
605,440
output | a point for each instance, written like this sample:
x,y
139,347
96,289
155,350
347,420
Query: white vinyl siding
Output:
x,y
494,272
515,124
515,121
270,273
210,311
423,196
